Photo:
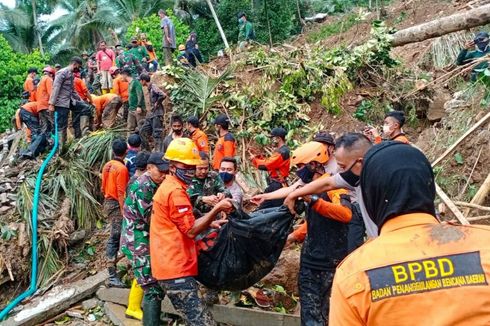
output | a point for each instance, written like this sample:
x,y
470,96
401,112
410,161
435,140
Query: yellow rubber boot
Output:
x,y
134,302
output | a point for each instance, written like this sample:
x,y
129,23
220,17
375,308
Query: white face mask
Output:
x,y
386,130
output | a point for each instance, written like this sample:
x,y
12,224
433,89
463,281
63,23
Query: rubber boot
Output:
x,y
134,302
114,281
152,309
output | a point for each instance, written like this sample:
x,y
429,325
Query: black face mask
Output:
x,y
306,173
178,132
349,176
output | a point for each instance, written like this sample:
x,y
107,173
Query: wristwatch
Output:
x,y
314,199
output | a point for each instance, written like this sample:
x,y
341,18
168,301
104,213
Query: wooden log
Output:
x,y
474,218
452,207
481,194
479,207
460,21
466,134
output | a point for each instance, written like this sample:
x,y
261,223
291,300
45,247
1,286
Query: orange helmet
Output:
x,y
50,70
310,152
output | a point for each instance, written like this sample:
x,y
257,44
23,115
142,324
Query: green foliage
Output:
x,y
362,110
459,158
150,25
13,72
334,28
282,17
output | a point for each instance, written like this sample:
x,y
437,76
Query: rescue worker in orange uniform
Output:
x,y
418,271
106,107
115,177
226,145
277,166
29,84
28,114
173,228
120,87
43,93
81,88
325,245
392,128
197,135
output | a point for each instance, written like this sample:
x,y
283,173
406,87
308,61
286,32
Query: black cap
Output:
x,y
279,132
222,120
126,71
31,70
157,159
141,160
241,14
324,137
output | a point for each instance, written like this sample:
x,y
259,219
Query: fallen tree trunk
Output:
x,y
481,194
442,26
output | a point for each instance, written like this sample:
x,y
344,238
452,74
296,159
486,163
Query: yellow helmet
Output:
x,y
183,150
309,152
181,47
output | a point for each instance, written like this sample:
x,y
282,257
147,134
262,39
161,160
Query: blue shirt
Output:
x,y
130,161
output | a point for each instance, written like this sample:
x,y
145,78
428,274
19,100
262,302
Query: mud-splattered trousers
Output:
x,y
183,293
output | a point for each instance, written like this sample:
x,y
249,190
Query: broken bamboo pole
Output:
x,y
462,20
466,134
452,207
481,194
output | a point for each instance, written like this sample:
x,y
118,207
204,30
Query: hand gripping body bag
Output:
x,y
245,249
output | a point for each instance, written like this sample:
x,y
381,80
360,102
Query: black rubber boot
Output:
x,y
151,312
113,281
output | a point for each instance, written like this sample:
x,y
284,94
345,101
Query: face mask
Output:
x,y
350,177
240,21
305,174
185,175
386,129
226,176
177,131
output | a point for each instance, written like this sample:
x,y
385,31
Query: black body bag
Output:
x,y
246,249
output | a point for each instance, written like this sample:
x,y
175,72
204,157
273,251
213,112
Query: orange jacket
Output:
x,y
43,92
152,54
400,137
18,124
277,165
115,177
414,264
100,102
173,253
333,210
29,87
201,140
81,88
225,147
31,107
120,87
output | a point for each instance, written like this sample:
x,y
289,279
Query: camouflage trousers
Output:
x,y
153,292
183,293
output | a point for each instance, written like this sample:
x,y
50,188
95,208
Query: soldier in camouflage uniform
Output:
x,y
127,60
135,240
207,188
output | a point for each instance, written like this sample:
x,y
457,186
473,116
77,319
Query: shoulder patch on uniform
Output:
x,y
425,275
229,137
